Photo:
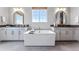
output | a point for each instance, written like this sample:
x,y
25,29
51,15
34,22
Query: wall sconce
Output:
x,y
60,9
18,9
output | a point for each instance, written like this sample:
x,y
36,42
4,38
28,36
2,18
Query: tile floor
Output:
x,y
19,46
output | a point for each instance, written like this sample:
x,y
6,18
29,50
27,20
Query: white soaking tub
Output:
x,y
39,38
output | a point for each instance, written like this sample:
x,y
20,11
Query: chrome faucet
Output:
x,y
39,28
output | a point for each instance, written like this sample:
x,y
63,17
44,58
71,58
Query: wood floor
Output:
x,y
19,46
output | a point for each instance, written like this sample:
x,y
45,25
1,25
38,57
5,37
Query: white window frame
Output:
x,y
39,16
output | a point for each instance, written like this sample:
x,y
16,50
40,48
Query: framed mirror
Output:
x,y
60,17
18,18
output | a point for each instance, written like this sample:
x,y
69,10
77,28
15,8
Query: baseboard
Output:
x,y
55,41
12,41
66,41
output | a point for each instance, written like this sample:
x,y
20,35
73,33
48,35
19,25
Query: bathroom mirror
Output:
x,y
60,16
18,17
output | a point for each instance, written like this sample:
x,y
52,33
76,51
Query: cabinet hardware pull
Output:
x,y
19,32
5,32
12,32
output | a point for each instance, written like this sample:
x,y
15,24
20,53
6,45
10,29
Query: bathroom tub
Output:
x,y
40,38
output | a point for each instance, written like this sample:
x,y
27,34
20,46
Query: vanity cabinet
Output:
x,y
15,33
9,34
21,33
12,33
16,36
64,33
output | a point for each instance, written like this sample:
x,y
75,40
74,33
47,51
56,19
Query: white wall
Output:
x,y
74,15
68,16
4,11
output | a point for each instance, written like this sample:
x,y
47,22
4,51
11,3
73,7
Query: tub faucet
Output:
x,y
39,29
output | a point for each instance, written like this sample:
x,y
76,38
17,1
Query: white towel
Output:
x,y
27,32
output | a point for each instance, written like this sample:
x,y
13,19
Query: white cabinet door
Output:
x,y
66,34
15,35
76,34
69,34
63,34
3,34
10,34
57,31
21,33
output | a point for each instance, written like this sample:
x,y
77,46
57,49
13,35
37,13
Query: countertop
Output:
x,y
65,26
10,25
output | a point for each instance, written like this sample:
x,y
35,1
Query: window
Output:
x,y
39,15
